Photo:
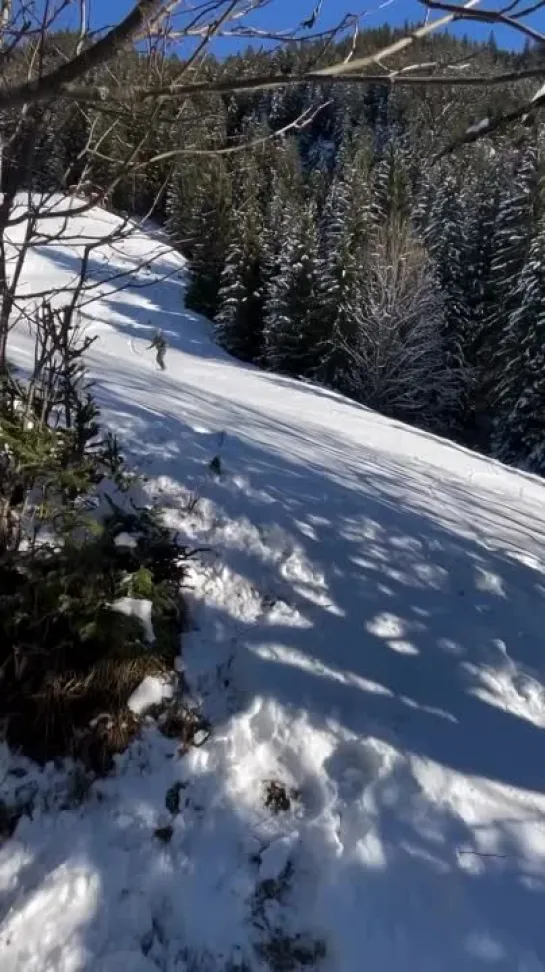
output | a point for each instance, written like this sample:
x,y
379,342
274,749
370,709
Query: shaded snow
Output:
x,y
368,633
126,540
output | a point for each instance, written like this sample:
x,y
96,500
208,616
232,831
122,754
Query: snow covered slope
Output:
x,y
369,635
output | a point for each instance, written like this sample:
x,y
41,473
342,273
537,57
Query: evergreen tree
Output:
x,y
239,320
515,218
208,233
499,225
392,190
283,191
520,427
290,312
441,216
481,278
345,229
519,200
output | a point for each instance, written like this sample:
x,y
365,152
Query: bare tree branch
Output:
x,y
402,78
147,12
495,123
400,45
486,17
44,88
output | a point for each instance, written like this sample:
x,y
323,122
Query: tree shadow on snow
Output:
x,y
413,606
124,292
411,622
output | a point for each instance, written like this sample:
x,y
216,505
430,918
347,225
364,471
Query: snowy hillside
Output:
x,y
369,644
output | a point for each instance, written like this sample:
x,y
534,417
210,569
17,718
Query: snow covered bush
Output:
x,y
89,582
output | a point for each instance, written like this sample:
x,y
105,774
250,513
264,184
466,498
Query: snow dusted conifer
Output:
x,y
520,428
345,229
206,232
481,279
239,320
392,193
290,318
515,219
283,190
442,218
515,225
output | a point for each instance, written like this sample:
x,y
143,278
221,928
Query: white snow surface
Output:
x,y
151,691
368,632
140,608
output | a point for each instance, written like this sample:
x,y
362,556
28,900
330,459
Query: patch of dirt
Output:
x,y
279,950
9,818
180,721
277,797
172,798
289,953
164,834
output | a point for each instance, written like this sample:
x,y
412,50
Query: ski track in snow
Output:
x,y
368,631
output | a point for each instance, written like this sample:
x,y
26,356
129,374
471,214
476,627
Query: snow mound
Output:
x,y
368,617
151,691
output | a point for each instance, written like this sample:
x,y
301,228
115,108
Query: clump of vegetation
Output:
x,y
164,834
9,818
173,797
281,950
73,543
277,797
290,953
183,722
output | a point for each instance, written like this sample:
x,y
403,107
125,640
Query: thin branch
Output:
x,y
486,17
302,121
52,84
400,45
263,82
58,82
528,10
493,124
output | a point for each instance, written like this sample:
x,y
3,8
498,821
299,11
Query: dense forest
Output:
x,y
347,251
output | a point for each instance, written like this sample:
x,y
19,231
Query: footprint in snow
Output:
x,y
353,766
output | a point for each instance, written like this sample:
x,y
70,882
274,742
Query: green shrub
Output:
x,y
68,659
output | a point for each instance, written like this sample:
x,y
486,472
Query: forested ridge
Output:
x,y
347,251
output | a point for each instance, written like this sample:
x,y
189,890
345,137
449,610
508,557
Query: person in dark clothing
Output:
x,y
160,346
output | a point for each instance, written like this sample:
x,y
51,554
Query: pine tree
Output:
x,y
515,225
392,190
520,428
239,319
345,229
515,219
499,218
283,193
208,234
441,217
481,278
290,312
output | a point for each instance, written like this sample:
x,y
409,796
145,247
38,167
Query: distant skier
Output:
x,y
160,345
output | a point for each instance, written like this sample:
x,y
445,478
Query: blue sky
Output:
x,y
283,14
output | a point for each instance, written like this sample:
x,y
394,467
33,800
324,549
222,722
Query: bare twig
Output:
x,y
486,17
400,45
50,85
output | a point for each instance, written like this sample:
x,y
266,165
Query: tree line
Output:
x,y
342,251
